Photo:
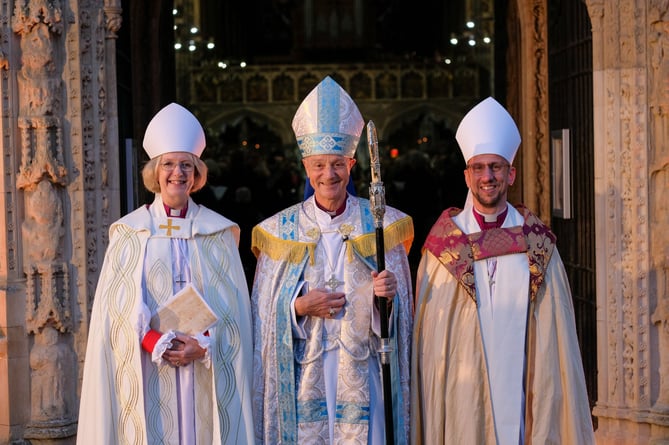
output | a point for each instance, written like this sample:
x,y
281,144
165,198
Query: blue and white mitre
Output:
x,y
328,122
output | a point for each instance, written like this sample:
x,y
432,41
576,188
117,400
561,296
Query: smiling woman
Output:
x,y
193,388
175,176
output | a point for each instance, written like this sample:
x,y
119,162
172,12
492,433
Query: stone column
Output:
x,y
60,191
658,131
527,100
631,165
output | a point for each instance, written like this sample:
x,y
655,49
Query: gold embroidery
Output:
x,y
169,227
345,230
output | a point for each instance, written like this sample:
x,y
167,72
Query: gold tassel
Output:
x,y
280,250
399,232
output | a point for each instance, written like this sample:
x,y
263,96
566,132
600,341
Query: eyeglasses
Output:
x,y
169,166
479,168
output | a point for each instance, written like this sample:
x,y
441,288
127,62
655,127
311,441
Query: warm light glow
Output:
x,y
177,46
454,41
210,45
175,11
448,61
222,65
424,138
470,24
257,146
194,30
245,143
242,64
487,39
472,42
394,152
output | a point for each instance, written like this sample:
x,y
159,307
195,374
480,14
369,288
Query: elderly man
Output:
x,y
316,325
495,356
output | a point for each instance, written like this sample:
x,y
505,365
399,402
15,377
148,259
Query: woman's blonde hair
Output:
x,y
150,173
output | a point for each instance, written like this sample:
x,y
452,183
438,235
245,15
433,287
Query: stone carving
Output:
x,y
42,175
42,228
51,413
269,84
35,21
48,299
540,105
633,237
4,61
661,314
47,374
48,315
612,195
659,181
113,16
42,165
41,152
659,55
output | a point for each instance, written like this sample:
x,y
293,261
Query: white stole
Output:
x,y
502,310
181,275
332,250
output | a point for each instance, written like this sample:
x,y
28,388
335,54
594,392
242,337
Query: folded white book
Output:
x,y
186,312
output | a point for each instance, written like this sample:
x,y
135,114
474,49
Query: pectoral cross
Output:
x,y
180,280
333,283
169,227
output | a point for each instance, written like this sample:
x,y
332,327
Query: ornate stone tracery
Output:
x,y
658,18
56,128
630,130
42,177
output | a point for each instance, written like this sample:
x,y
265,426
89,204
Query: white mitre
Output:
x,y
173,129
488,129
328,122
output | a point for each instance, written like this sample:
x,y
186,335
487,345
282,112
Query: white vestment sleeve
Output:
x,y
205,342
298,325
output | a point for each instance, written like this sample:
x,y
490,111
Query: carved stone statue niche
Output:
x,y
42,229
51,362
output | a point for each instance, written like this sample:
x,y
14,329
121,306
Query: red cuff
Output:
x,y
150,339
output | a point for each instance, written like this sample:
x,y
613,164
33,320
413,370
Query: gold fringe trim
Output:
x,y
279,249
399,232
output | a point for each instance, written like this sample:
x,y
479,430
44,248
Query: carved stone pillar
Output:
x,y
659,183
42,178
527,100
631,169
59,193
